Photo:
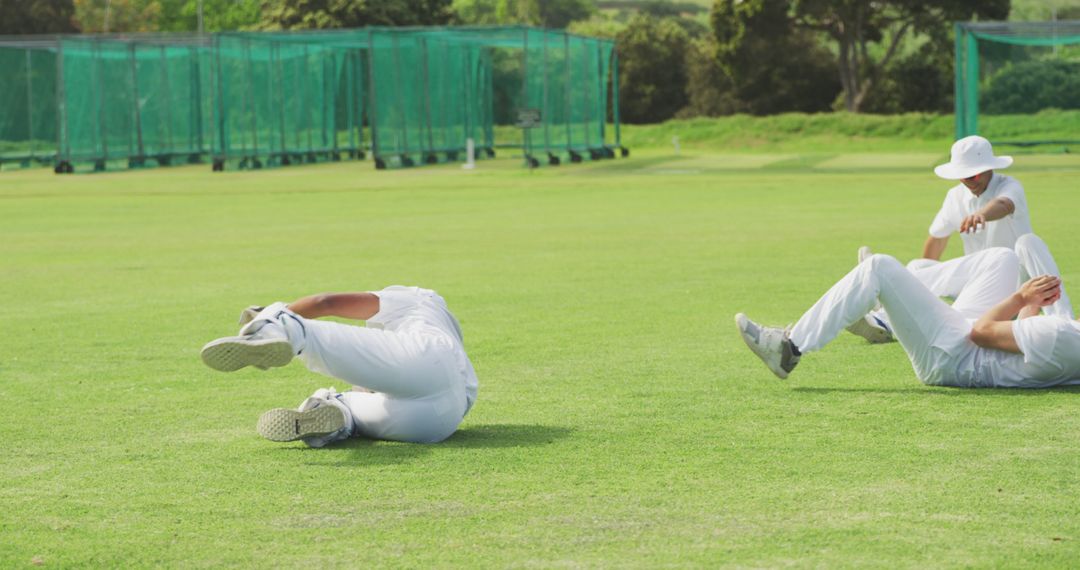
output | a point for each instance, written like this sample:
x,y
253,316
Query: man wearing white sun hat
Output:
x,y
988,209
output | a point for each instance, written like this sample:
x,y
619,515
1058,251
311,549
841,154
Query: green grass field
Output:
x,y
621,422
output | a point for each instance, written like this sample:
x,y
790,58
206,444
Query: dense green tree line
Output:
x,y
675,58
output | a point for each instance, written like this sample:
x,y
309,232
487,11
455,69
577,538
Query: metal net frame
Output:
x,y
287,98
434,89
1005,68
133,101
28,93
406,96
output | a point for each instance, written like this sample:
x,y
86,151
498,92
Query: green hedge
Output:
x,y
1032,86
844,131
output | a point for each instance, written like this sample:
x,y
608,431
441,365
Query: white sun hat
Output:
x,y
970,156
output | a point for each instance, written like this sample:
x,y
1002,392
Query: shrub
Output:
x,y
1031,86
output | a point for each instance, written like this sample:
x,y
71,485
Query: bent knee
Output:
x,y
921,263
1029,241
881,260
1003,255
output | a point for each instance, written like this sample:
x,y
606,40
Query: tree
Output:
x,y
559,13
1043,10
218,15
1031,86
545,13
487,12
867,34
774,66
24,17
597,28
709,89
919,81
652,69
96,16
320,14
857,25
668,9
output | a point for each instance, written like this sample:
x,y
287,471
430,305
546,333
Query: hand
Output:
x,y
1040,291
973,223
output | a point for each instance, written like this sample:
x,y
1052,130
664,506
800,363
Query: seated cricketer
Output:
x,y
945,347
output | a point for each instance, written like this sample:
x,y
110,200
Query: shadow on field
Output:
x,y
945,391
505,435
373,452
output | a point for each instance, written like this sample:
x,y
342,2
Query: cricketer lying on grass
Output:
x,y
987,209
944,346
413,380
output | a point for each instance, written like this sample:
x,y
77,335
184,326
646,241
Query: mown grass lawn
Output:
x,y
621,422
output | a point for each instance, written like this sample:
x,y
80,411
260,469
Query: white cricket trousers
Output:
x,y
947,279
416,378
935,336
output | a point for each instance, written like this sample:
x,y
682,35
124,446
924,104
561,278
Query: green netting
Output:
x,y
567,80
286,98
27,101
274,98
1007,69
133,100
431,91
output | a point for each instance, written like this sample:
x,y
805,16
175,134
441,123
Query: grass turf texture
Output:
x,y
621,422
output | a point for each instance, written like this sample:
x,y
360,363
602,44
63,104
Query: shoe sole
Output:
x,y
740,321
235,352
872,334
283,424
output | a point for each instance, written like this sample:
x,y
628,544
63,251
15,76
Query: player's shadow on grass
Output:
x,y
361,451
942,391
505,435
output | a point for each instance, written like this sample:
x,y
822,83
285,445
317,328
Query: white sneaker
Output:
x,y
864,252
770,344
249,314
873,329
235,352
283,424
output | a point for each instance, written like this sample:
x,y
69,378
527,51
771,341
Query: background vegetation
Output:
x,y
852,132
681,59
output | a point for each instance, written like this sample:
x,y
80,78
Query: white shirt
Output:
x,y
960,203
417,310
1051,355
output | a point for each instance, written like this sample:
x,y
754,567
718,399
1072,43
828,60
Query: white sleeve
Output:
x,y
946,222
1014,191
1036,337
394,303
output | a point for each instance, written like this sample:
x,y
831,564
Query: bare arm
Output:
x,y
994,329
360,306
997,208
934,247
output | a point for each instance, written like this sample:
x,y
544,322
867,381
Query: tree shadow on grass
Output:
x,y
945,391
361,451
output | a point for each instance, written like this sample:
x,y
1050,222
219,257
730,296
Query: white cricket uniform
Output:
x,y
410,356
936,336
960,203
946,279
